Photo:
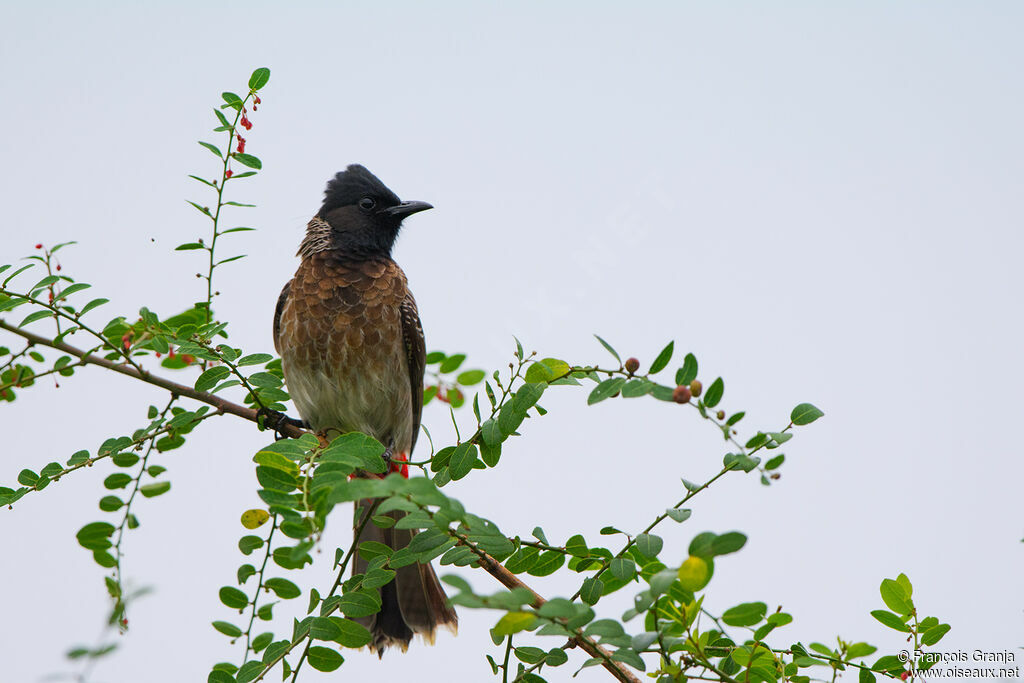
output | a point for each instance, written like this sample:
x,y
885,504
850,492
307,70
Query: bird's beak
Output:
x,y
407,209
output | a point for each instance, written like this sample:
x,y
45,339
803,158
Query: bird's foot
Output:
x,y
389,454
276,420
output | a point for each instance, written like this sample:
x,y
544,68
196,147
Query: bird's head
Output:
x,y
363,214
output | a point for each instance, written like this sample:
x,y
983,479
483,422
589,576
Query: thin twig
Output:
x,y
222,404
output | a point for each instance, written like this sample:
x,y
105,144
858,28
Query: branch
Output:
x,y
511,581
222,404
488,563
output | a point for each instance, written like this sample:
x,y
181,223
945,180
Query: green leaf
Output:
x,y
577,546
604,628
592,590
891,620
227,628
688,372
606,389
728,543
548,563
546,370
663,358
514,622
155,489
649,545
889,663
452,363
212,148
95,536
91,305
284,588
527,396
865,676
804,414
323,658
111,503
746,614
470,377
609,348
714,393
934,634
234,598
679,515
32,317
522,560
462,460
701,545
247,160
247,544
211,377
352,634
257,80
637,387
71,289
359,604
622,568
117,481
895,598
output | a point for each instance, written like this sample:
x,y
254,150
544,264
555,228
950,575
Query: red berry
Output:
x,y
681,394
58,266
39,246
228,173
241,145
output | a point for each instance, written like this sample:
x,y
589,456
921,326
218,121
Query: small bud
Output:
x,y
696,387
720,414
776,476
632,365
681,394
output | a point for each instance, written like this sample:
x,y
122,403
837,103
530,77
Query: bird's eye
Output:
x,y
367,203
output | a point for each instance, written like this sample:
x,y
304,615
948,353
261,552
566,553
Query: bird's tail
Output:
x,y
413,602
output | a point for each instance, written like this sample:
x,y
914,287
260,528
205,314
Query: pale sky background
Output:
x,y
822,201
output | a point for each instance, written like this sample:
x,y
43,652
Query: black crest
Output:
x,y
352,184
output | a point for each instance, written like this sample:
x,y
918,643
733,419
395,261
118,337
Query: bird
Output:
x,y
352,350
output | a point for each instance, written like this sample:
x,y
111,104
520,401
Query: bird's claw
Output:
x,y
275,420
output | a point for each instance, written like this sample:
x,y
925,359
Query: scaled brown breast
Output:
x,y
340,336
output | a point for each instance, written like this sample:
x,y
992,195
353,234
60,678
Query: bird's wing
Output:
x,y
415,354
281,301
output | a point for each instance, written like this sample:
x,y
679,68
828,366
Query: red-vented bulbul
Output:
x,y
352,352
